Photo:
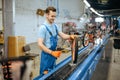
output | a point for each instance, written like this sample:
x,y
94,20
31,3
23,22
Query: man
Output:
x,y
47,41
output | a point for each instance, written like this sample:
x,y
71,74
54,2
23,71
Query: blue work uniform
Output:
x,y
48,61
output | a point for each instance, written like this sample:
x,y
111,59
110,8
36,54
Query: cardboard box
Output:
x,y
15,46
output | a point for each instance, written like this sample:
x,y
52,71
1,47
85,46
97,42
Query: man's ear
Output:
x,y
47,13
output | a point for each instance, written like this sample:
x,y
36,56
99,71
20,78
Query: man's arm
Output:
x,y
47,50
63,35
43,47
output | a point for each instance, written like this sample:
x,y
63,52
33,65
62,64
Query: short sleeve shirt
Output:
x,y
44,33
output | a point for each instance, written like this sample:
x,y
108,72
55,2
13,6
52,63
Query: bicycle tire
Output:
x,y
85,40
74,50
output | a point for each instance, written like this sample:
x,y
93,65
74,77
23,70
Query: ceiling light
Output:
x,y
93,10
99,19
86,3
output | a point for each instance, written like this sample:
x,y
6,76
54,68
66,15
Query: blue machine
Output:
x,y
82,71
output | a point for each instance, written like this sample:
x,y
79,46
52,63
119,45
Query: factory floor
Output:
x,y
108,67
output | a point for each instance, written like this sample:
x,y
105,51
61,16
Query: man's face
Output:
x,y
51,16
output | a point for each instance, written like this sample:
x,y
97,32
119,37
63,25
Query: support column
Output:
x,y
8,21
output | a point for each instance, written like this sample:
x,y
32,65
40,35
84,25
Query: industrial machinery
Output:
x,y
14,68
18,64
82,68
17,68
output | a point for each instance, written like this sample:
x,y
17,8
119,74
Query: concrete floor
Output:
x,y
107,69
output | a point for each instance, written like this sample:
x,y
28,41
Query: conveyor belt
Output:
x,y
64,72
85,66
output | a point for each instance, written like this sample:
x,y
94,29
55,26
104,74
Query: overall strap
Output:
x,y
50,31
56,29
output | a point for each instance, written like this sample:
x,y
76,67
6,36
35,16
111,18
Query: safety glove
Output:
x,y
72,37
56,53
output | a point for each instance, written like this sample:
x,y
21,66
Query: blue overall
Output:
x,y
47,60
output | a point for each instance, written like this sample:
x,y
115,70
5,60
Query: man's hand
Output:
x,y
45,72
72,37
56,53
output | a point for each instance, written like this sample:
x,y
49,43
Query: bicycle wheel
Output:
x,y
74,50
85,39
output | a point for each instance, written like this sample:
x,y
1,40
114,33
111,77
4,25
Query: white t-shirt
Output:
x,y
44,33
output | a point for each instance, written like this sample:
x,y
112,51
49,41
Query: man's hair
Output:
x,y
50,9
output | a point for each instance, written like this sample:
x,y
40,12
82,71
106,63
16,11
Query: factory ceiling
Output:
x,y
106,7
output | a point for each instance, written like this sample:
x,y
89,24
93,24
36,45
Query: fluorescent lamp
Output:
x,y
93,10
86,3
99,19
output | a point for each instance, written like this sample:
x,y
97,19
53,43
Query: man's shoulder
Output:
x,y
55,25
42,28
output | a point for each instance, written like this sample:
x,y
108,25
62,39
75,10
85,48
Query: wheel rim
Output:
x,y
86,39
